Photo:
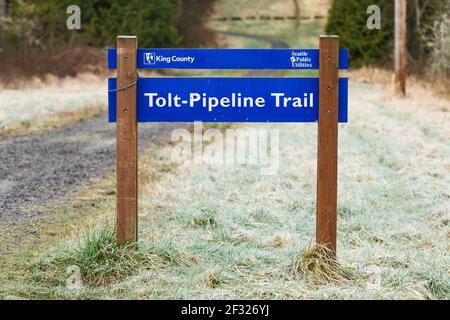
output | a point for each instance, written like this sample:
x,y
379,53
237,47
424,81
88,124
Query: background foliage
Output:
x,y
35,31
374,47
43,22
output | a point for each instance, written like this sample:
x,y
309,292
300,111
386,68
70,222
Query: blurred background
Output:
x,y
223,231
35,40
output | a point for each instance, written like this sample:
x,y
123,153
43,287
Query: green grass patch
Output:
x,y
100,260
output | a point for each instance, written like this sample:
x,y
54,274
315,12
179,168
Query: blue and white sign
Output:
x,y
228,99
228,58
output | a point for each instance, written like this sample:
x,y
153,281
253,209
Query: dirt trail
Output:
x,y
42,167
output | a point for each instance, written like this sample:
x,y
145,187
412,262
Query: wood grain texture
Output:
x,y
126,142
327,152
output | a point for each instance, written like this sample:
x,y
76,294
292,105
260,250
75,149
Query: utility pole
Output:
x,y
400,47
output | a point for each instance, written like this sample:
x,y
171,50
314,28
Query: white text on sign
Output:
x,y
235,100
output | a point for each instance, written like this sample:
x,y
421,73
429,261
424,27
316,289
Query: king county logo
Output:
x,y
149,58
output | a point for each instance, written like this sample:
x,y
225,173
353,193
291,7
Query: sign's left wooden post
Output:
x,y
126,141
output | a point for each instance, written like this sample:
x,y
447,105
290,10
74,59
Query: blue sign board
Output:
x,y
228,99
228,58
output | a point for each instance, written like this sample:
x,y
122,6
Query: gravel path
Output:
x,y
47,166
38,168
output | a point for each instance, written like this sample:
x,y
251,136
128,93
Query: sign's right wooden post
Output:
x,y
327,143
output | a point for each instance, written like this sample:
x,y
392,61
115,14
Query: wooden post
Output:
x,y
400,47
126,141
327,144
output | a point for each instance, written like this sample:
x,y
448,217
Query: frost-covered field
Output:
x,y
35,103
213,231
245,231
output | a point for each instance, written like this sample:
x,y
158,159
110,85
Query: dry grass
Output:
x,y
371,75
65,61
416,85
318,265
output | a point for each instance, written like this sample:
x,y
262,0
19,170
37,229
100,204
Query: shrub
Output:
x,y
348,20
